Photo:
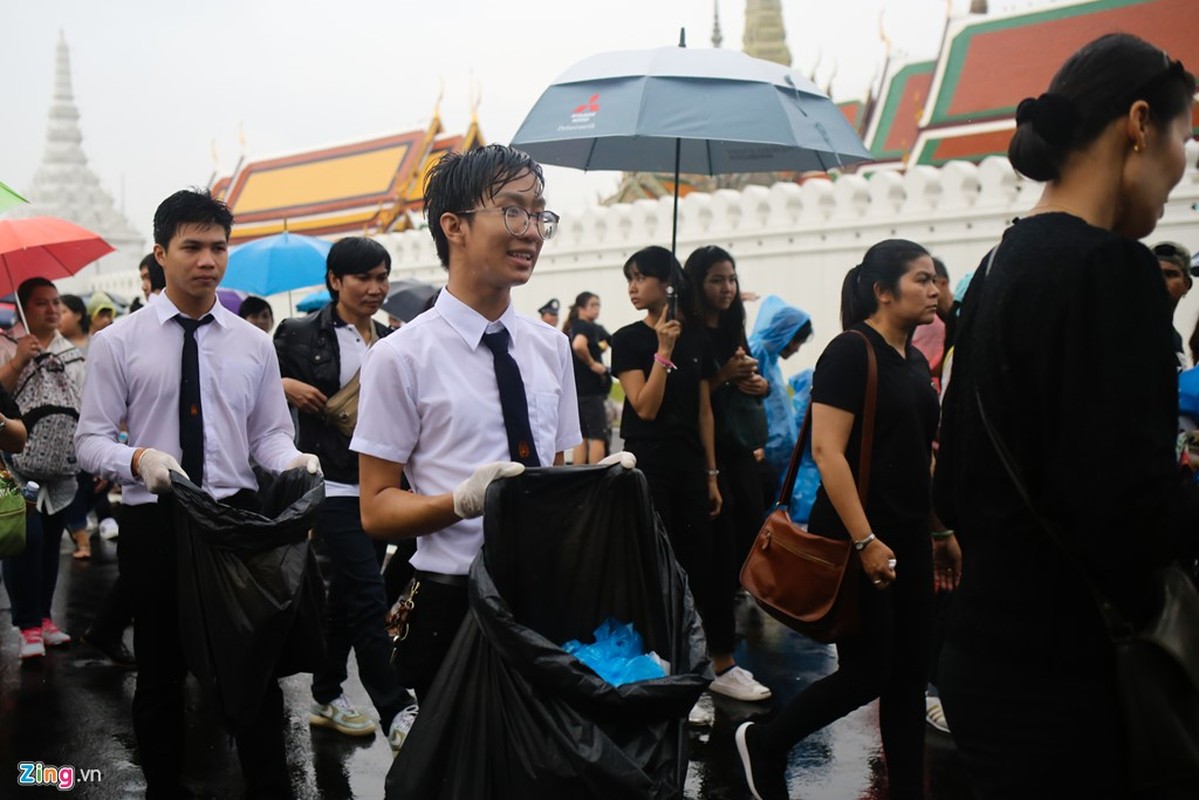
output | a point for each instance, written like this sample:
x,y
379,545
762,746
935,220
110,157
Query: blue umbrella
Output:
x,y
277,264
694,111
315,301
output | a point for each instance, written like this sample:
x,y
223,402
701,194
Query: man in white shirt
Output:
x,y
134,374
432,407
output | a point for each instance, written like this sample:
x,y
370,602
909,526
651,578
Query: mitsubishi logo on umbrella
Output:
x,y
584,115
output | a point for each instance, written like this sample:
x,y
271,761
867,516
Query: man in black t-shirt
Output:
x,y
588,341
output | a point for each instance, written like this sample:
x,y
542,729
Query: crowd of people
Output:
x,y
1068,301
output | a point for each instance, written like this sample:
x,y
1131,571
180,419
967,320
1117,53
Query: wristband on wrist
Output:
x,y
712,473
665,362
136,462
941,535
860,544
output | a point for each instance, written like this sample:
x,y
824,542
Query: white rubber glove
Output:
x,y
155,468
469,495
622,457
306,461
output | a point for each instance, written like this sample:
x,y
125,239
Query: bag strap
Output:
x,y
869,406
1118,627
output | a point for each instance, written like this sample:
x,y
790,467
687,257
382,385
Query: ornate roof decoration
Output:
x,y
364,187
765,37
988,64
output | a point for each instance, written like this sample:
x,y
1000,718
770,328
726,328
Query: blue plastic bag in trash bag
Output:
x,y
617,655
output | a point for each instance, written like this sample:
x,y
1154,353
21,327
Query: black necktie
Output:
x,y
521,446
191,414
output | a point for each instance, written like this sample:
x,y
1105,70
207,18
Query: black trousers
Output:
x,y
357,606
147,560
432,625
681,500
743,510
887,659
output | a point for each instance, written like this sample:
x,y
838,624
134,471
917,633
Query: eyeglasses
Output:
x,y
517,219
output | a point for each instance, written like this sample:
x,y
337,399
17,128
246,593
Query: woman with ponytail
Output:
x,y
1065,347
883,300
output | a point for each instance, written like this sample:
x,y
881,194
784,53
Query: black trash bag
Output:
x,y
251,601
511,714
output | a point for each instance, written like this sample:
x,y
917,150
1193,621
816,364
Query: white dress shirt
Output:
x,y
351,348
430,401
133,372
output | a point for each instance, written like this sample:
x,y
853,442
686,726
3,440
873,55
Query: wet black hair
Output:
x,y
189,207
939,268
1096,85
253,305
155,272
76,304
732,322
354,255
460,181
658,262
882,266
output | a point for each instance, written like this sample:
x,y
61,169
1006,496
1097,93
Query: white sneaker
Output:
x,y
401,726
934,713
703,713
739,684
109,529
342,717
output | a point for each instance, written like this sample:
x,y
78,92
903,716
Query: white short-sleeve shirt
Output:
x,y
429,400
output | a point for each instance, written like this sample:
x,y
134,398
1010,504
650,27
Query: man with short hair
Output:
x,y
1175,261
319,357
467,392
139,369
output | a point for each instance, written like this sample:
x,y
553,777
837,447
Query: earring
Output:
x,y
1136,148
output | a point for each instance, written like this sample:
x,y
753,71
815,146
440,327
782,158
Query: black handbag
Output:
x,y
1157,664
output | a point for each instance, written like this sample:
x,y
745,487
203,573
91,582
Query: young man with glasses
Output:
x,y
468,392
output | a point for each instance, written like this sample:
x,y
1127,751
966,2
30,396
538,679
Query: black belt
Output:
x,y
440,577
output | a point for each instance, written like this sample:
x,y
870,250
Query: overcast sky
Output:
x,y
156,83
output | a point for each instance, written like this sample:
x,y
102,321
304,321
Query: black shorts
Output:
x,y
593,417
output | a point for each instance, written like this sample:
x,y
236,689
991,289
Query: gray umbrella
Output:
x,y
692,111
407,298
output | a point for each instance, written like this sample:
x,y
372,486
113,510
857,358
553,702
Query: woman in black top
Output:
x,y
1066,339
716,304
884,298
665,367
588,341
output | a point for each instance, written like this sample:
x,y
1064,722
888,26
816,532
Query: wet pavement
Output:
x,y
72,708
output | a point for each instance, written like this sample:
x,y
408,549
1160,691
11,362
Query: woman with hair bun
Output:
x,y
1065,346
883,300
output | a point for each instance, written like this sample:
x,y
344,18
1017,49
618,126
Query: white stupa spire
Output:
x,y
63,185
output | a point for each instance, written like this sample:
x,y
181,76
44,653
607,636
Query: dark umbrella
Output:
x,y
407,298
693,111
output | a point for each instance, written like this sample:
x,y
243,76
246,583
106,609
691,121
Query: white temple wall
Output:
x,y
798,241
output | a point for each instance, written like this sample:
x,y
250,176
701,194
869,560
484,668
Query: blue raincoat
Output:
x,y
775,327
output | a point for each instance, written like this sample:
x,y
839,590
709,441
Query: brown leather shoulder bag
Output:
x,y
807,581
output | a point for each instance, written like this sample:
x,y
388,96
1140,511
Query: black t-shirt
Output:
x,y
586,381
905,422
675,430
1067,340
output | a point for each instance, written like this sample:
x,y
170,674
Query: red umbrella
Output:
x,y
45,247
